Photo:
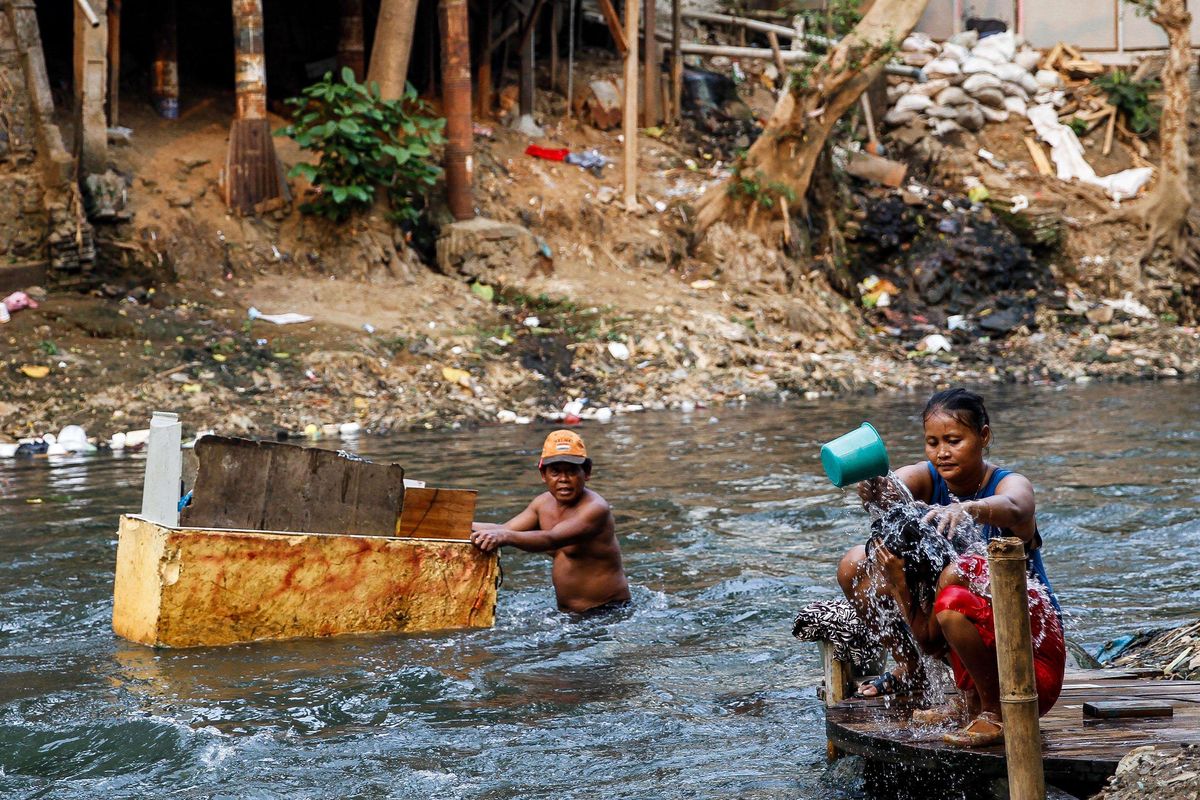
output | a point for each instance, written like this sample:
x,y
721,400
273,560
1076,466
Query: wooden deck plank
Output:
x,y
1076,749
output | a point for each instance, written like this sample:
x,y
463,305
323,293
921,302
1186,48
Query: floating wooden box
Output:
x,y
190,587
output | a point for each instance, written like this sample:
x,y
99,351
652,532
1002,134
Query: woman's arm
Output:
x,y
1012,507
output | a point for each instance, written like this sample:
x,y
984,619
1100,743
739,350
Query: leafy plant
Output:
x,y
1132,98
48,347
364,144
767,195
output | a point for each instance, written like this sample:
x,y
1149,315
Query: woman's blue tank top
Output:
x,y
941,497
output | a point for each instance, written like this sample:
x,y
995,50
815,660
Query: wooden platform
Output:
x,y
1080,752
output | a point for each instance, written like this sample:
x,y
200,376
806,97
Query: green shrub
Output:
x,y
364,144
1132,98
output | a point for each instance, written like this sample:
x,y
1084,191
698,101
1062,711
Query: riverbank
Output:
x,y
372,357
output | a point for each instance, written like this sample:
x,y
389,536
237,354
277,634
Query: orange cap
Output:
x,y
563,446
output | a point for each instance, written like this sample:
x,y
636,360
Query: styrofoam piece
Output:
x,y
164,466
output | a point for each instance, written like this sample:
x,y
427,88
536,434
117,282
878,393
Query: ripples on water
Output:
x,y
727,527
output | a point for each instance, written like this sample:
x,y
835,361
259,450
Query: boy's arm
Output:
x,y
525,521
585,524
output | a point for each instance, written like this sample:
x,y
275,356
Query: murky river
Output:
x,y
727,526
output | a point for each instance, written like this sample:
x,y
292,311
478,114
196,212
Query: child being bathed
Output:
x,y
945,598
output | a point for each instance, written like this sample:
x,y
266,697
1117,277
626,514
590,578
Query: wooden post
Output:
x,y
456,103
837,685
650,81
91,81
483,80
614,25
114,62
392,47
676,61
164,93
629,109
350,38
555,26
252,173
525,85
1014,656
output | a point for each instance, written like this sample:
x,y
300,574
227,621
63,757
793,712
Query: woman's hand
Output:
x,y
949,518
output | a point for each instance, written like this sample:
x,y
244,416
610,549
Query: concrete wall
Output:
x,y
1095,25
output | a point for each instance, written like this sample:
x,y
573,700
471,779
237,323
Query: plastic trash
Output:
x,y
8,449
74,439
604,414
618,350
290,318
19,300
532,322
935,343
164,466
349,429
117,441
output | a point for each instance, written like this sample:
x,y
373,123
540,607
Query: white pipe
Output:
x,y
92,19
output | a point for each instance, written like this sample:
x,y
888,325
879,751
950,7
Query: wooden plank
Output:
x,y
614,25
437,514
1121,709
270,486
1039,157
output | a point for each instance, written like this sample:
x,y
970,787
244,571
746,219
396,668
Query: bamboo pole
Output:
x,y
629,110
650,79
676,60
114,62
456,101
350,52
1014,656
164,91
555,26
392,47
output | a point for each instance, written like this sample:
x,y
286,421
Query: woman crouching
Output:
x,y
946,600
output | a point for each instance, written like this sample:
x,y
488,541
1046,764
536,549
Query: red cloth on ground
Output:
x,y
548,153
1049,649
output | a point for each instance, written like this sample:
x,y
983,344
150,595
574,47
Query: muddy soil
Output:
x,y
629,312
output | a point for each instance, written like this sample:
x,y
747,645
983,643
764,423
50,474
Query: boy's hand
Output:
x,y
489,539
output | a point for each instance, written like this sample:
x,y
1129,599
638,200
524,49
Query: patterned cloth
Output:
x,y
834,621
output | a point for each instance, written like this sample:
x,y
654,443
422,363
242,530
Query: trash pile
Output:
x,y
972,79
933,265
1169,773
1176,652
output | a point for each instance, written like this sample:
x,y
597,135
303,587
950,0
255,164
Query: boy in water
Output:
x,y
573,524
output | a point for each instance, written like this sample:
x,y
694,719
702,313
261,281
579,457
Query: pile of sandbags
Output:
x,y
971,81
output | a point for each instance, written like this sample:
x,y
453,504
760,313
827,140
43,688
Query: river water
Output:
x,y
727,525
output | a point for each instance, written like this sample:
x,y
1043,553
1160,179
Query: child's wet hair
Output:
x,y
925,551
964,405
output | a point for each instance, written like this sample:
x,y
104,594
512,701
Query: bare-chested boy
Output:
x,y
573,524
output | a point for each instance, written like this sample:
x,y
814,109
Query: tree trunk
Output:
x,y
1164,212
782,160
393,44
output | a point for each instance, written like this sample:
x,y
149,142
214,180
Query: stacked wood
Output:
x,y
1070,62
1176,652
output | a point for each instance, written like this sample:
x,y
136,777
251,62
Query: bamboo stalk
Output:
x,y
1014,655
350,38
629,110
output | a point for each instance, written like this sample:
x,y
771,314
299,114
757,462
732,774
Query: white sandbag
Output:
x,y
1067,154
942,112
913,102
1048,79
929,88
1027,59
999,47
989,96
1011,72
973,65
967,39
1014,90
955,51
916,59
970,117
993,114
1015,105
897,118
980,80
952,96
946,126
942,66
894,93
1030,84
919,42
